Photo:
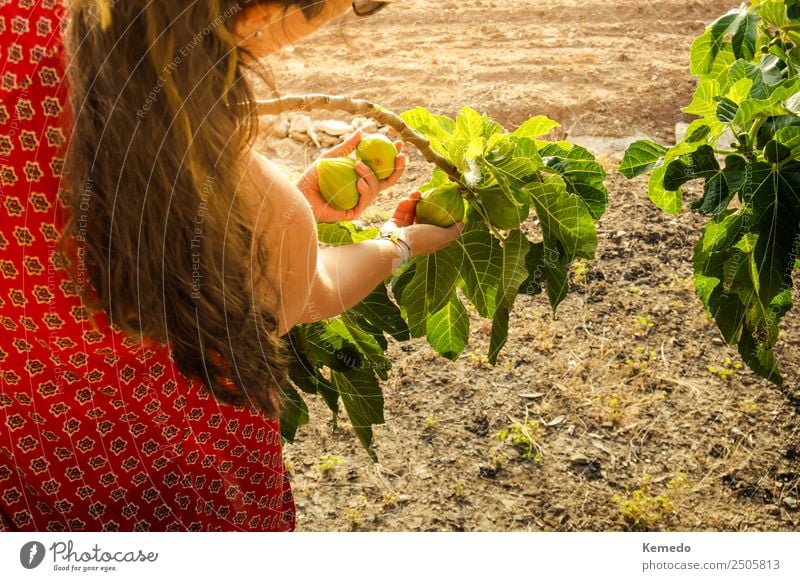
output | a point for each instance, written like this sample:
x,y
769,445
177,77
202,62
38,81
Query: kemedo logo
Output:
x,y
31,554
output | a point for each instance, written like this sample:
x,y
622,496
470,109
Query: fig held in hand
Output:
x,y
378,153
337,182
442,206
501,211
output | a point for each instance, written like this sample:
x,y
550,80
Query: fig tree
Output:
x,y
378,153
442,206
337,182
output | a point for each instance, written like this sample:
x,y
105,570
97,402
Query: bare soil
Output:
x,y
634,406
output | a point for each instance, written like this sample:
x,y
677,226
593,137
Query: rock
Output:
x,y
300,124
279,127
328,141
364,124
790,502
334,127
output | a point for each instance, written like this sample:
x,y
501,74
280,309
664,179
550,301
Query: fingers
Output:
x,y
400,163
368,185
409,209
345,148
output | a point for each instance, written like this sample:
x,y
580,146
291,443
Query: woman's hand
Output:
x,y
368,186
422,239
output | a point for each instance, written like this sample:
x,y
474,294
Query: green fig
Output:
x,y
378,153
442,206
337,182
502,213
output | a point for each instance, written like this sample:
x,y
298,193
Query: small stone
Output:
x,y
790,502
334,127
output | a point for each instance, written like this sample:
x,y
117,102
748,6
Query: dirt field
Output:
x,y
634,402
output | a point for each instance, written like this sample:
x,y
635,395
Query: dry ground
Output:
x,y
633,402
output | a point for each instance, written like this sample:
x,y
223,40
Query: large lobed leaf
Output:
x,y
748,88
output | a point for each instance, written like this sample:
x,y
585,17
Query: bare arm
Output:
x,y
346,275
309,283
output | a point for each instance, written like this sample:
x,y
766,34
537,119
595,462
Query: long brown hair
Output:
x,y
162,116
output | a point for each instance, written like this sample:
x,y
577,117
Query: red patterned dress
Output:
x,y
98,431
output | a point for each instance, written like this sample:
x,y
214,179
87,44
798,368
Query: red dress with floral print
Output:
x,y
98,431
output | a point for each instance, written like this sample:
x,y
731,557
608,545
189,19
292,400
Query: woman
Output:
x,y
144,305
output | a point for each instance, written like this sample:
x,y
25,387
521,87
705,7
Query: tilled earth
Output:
x,y
633,405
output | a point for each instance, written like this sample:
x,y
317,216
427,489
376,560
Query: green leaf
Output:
x,y
792,104
514,274
710,57
582,175
723,231
741,70
698,133
341,233
363,401
469,124
706,51
745,31
701,163
429,289
372,353
704,102
740,90
437,129
294,412
760,359
790,137
481,267
535,266
513,271
499,333
565,221
670,201
324,347
726,110
382,312
511,162
557,282
708,273
536,127
447,329
640,157
717,193
770,72
304,374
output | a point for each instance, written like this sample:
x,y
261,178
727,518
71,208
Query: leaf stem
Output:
x,y
752,135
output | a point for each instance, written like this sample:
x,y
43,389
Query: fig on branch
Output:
x,y
501,211
337,182
378,153
442,206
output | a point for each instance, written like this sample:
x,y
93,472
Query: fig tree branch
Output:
x,y
366,109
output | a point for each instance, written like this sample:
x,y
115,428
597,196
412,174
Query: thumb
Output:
x,y
345,148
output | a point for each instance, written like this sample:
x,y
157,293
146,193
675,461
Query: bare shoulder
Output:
x,y
267,190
